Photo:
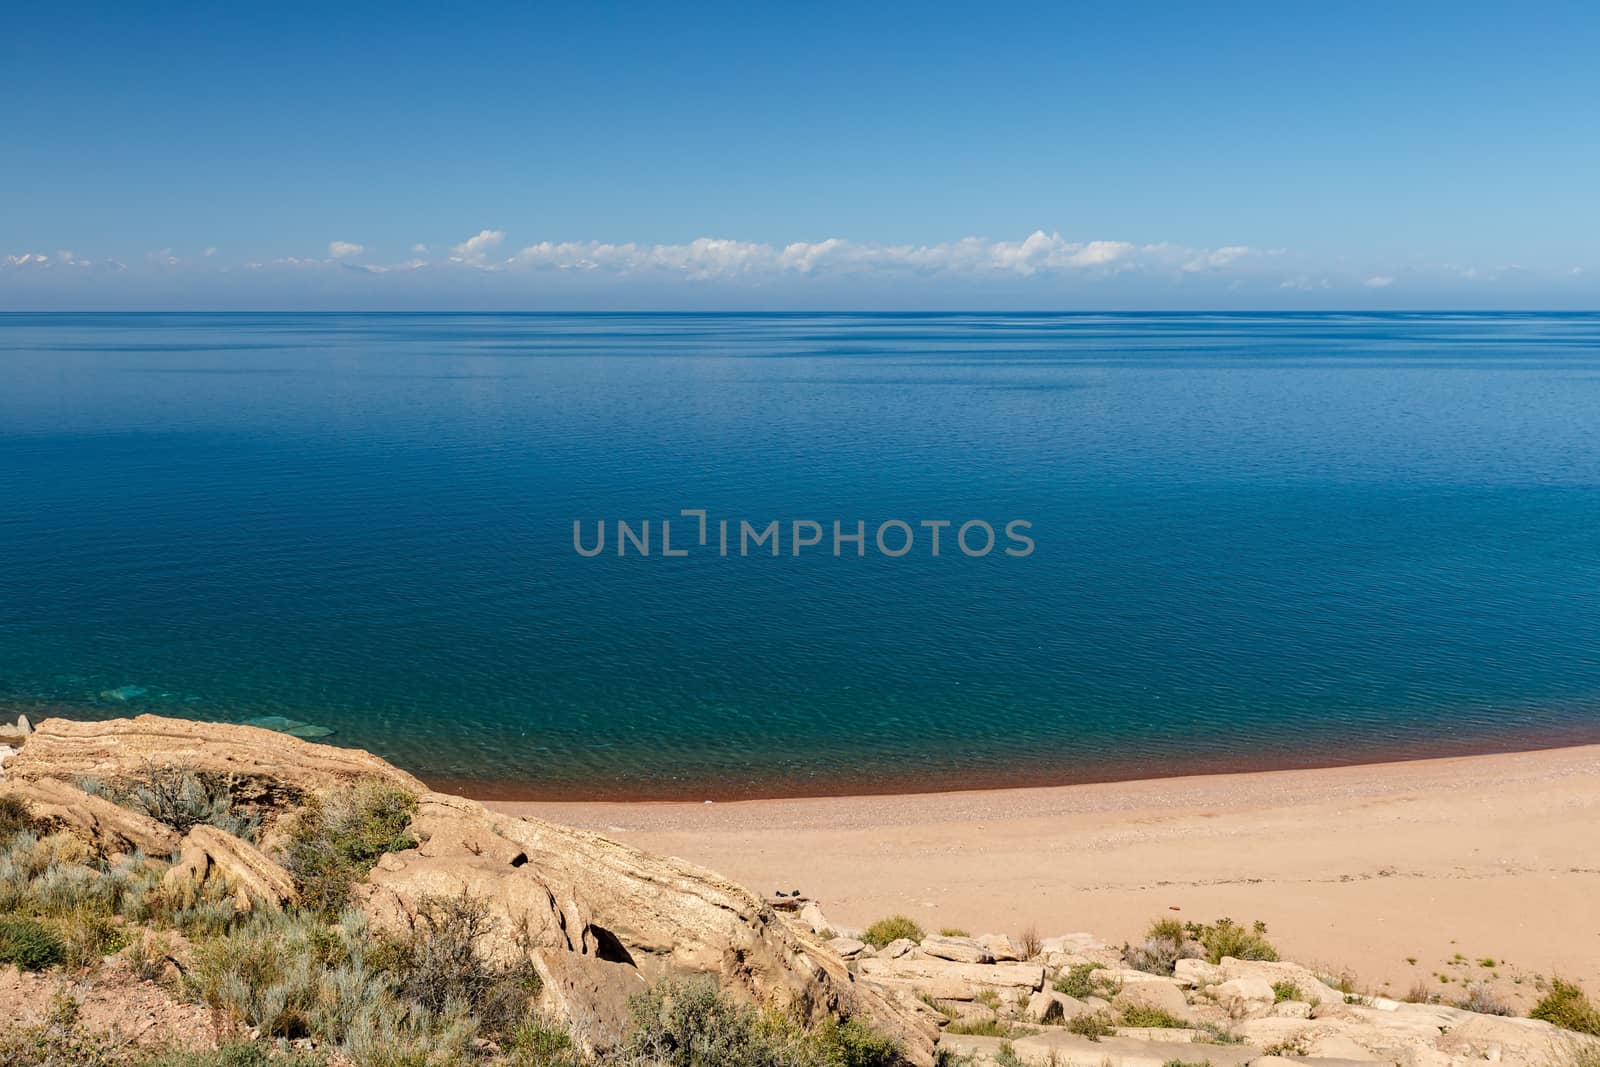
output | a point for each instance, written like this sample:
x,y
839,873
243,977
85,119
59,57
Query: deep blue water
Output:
x,y
1260,540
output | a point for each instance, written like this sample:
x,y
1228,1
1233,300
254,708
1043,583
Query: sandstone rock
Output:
x,y
1042,1007
1080,944
1156,996
111,827
1063,1049
848,948
959,949
553,887
1311,988
1245,998
1291,1009
896,948
61,748
252,877
588,996
811,915
969,978
1198,973
1000,947
1072,1007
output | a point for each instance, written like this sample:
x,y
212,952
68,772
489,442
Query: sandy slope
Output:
x,y
1354,868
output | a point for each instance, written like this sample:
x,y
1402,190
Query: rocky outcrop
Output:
x,y
949,980
251,877
112,828
260,760
556,889
588,996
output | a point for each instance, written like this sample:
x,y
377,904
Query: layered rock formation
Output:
x,y
600,920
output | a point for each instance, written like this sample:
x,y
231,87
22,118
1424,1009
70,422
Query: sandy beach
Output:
x,y
1451,863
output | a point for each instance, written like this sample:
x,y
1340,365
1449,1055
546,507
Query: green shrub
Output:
x,y
183,798
1286,990
442,965
337,839
1140,1015
953,931
893,928
1227,938
1079,981
1568,1007
1091,1024
690,1023
989,1028
537,1043
29,943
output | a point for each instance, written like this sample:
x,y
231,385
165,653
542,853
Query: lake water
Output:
x,y
1259,540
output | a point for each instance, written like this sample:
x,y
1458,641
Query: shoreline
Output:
x,y
1361,868
1062,770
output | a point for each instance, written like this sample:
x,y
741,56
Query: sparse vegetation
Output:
x,y
15,818
1212,1034
1483,1000
29,944
893,928
1141,1015
1567,1006
690,1023
1079,981
1282,991
337,840
953,931
1091,1024
990,1028
1028,943
1227,938
1165,943
182,798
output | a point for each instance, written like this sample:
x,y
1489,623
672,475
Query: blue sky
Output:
x,y
589,155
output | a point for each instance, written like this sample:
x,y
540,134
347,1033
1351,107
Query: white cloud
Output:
x,y
419,248
345,249
475,248
210,251
1038,253
1379,281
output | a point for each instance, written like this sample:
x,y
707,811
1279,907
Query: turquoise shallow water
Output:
x,y
1261,540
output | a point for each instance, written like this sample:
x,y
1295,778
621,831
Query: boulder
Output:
x,y
811,915
959,949
250,875
588,996
1156,996
1245,998
896,948
1312,989
111,827
1198,973
1042,1007
848,948
1001,948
